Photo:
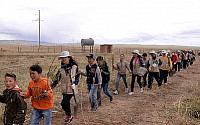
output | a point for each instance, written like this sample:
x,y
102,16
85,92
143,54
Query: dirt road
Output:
x,y
141,108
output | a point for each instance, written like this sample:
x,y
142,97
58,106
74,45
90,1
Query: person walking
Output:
x,y
105,73
153,67
135,63
121,66
166,65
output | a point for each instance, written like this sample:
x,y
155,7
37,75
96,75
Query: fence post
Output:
x,y
48,49
33,48
1,50
18,49
61,48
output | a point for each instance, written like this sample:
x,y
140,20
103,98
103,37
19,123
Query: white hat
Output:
x,y
178,51
152,52
164,51
168,51
136,52
64,54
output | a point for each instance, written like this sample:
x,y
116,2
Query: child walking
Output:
x,y
41,96
94,80
69,68
105,73
121,66
16,107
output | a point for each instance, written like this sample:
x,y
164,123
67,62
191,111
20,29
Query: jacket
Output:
x,y
36,90
153,64
135,66
16,107
63,76
165,64
93,74
121,66
105,73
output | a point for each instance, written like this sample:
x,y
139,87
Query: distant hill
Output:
x,y
23,42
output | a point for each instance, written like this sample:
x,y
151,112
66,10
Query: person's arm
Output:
x,y
21,109
128,67
84,73
58,77
2,98
160,63
131,65
76,77
28,93
98,72
115,66
170,63
148,64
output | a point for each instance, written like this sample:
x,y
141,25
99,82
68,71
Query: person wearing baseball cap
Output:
x,y
153,68
94,81
68,66
166,64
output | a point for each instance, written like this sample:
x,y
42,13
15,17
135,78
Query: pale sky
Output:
x,y
171,22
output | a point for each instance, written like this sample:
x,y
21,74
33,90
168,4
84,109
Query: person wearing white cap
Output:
x,y
153,68
185,59
179,60
66,73
135,63
166,64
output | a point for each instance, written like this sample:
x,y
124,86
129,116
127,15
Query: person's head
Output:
x,y
178,51
35,72
100,60
164,53
122,56
152,53
144,56
65,57
135,53
10,81
91,58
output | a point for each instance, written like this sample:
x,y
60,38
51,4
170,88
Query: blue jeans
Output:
x,y
91,90
118,79
105,90
37,114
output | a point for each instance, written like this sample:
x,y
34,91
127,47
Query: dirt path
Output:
x,y
141,108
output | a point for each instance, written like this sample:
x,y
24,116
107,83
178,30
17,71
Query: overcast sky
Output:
x,y
173,22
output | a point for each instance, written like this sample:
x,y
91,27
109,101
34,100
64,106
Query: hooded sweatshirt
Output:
x,y
16,107
36,90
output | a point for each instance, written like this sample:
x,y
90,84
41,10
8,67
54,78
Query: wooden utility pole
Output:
x,y
39,32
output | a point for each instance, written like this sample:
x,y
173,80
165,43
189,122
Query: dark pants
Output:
x,y
185,63
118,79
66,103
163,75
133,81
151,76
175,67
179,66
145,80
105,90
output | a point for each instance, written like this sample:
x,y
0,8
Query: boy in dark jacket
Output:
x,y
16,107
105,73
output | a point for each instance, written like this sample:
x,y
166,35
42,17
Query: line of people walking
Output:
x,y
97,76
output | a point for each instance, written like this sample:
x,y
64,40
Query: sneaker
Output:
x,y
95,108
116,92
91,110
68,120
141,89
111,99
126,89
131,93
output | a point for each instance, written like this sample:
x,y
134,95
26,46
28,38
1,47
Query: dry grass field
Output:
x,y
168,105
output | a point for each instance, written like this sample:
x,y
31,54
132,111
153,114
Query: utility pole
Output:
x,y
39,31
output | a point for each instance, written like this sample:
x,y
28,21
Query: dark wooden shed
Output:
x,y
106,48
